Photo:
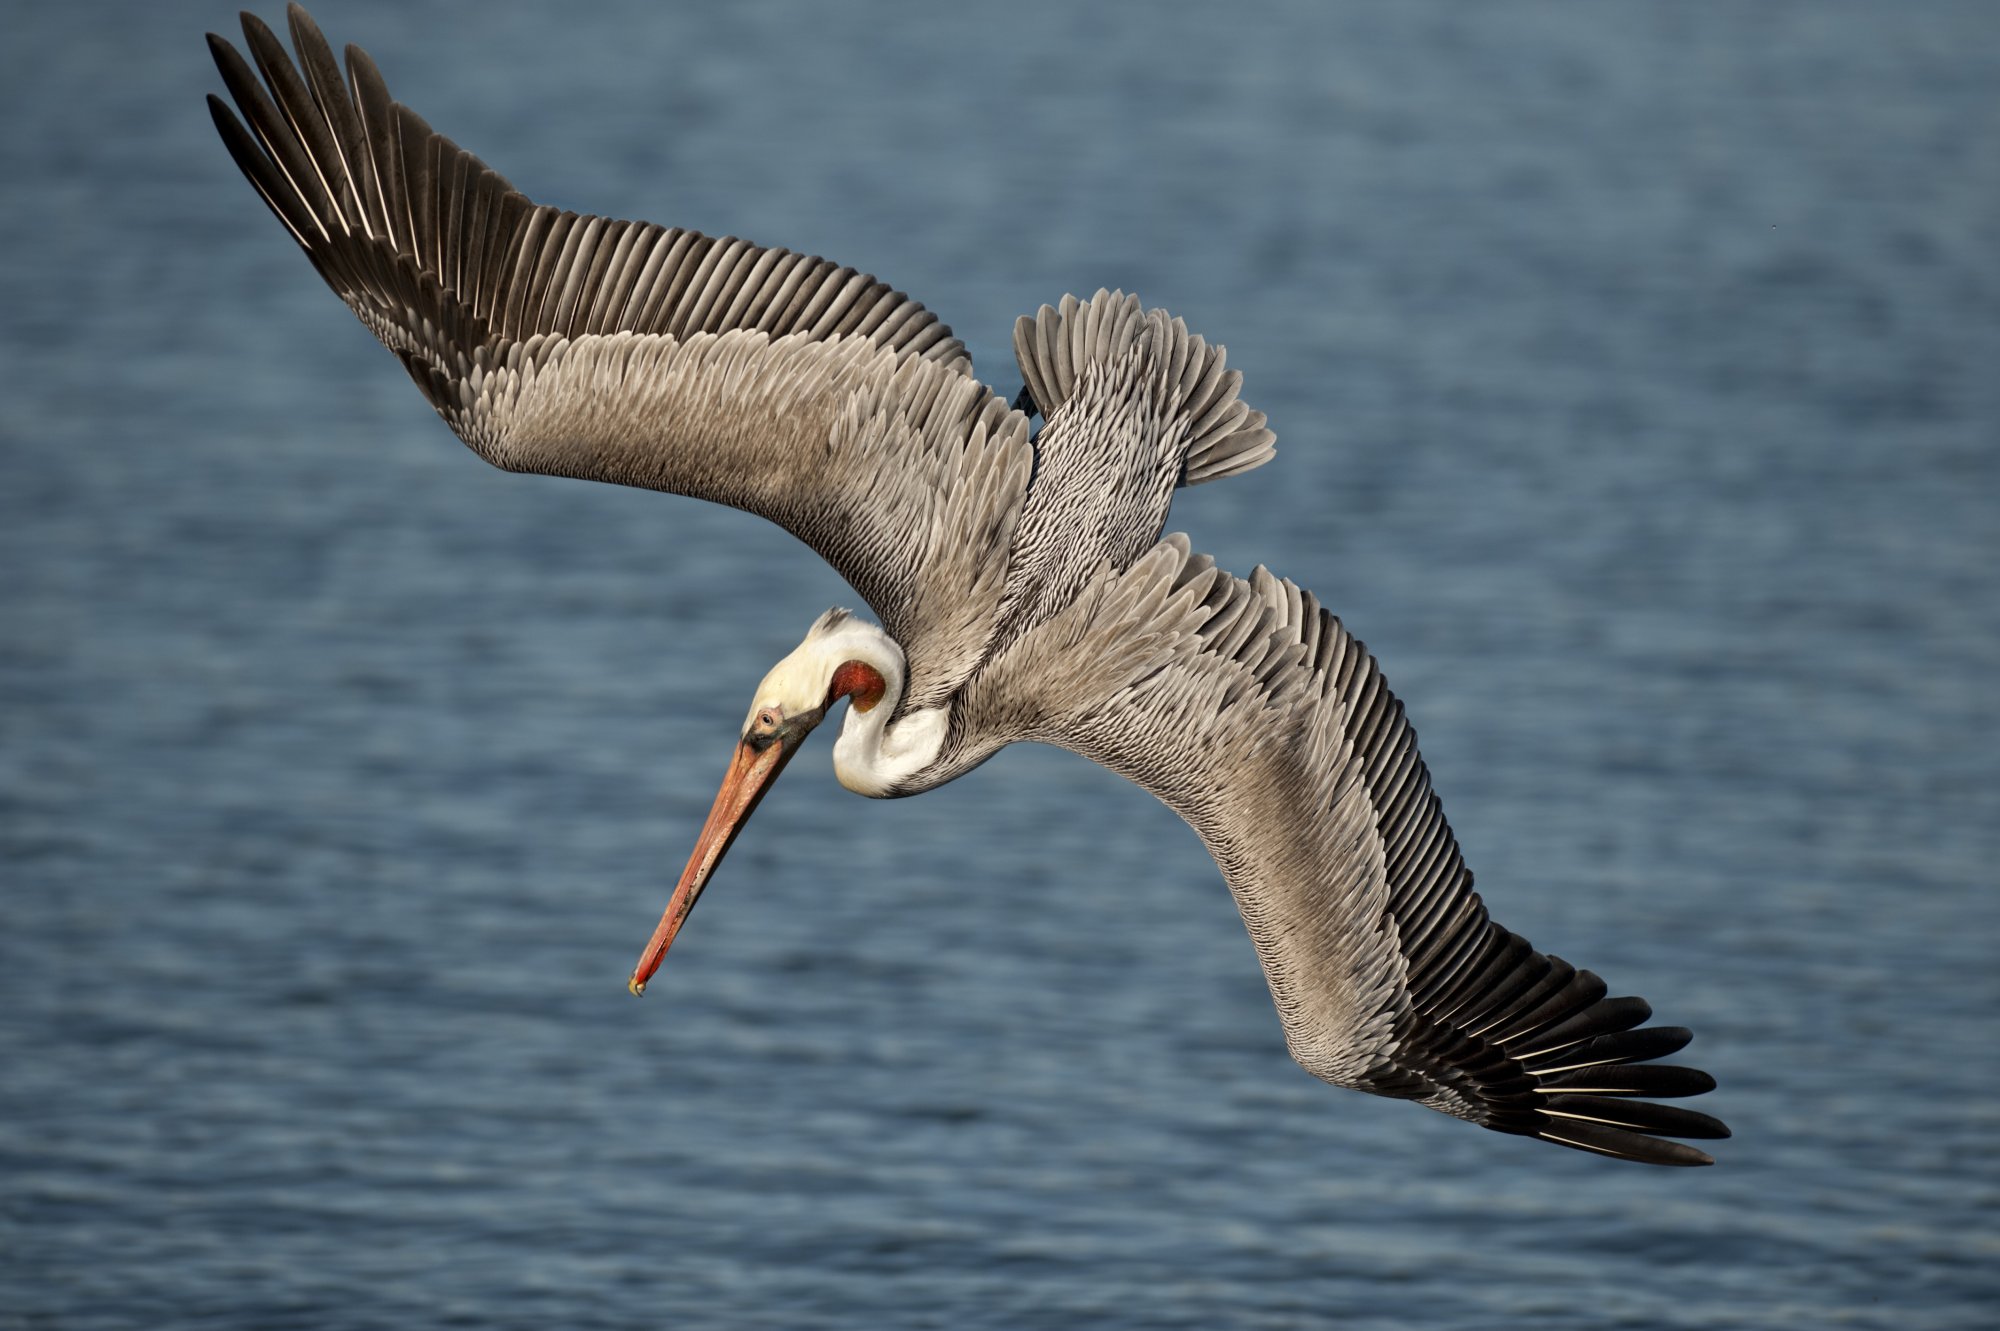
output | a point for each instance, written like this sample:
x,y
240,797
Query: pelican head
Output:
x,y
841,657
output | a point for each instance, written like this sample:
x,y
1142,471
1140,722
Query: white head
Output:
x,y
841,657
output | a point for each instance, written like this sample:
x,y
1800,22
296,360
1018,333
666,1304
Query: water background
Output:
x,y
1634,373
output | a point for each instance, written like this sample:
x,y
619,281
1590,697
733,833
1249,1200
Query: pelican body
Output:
x,y
1023,583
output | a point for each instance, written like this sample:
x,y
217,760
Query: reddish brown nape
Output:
x,y
859,681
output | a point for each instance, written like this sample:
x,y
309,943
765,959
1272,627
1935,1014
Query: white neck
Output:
x,y
872,757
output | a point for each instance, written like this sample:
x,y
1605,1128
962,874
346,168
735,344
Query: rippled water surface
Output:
x,y
1633,371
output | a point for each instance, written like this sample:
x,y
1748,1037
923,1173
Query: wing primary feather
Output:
x,y
1637,1115
378,128
1579,990
413,141
257,169
1635,1046
1621,1144
289,174
336,108
1602,1018
1661,1080
290,97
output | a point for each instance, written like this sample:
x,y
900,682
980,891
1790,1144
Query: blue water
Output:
x,y
1634,377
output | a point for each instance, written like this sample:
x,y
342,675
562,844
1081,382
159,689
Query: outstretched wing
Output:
x,y
1259,719
580,346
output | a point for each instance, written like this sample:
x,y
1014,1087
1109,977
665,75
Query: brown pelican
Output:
x,y
1024,588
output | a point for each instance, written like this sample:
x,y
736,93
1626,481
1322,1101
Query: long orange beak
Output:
x,y
751,773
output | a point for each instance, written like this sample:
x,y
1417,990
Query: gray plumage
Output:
x,y
1025,579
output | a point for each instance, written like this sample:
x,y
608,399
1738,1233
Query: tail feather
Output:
x,y
1057,345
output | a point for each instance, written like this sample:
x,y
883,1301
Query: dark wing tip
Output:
x,y
1584,1088
253,27
1655,1080
1584,1091
1620,1144
1536,1047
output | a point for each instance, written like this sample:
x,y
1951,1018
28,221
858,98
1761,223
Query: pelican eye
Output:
x,y
767,719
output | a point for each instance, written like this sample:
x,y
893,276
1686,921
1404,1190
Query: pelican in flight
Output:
x,y
1022,582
